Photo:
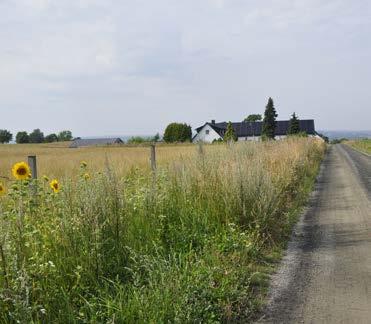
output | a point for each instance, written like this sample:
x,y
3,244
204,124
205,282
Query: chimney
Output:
x,y
213,121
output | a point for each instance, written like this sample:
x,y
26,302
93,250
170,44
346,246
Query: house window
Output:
x,y
207,132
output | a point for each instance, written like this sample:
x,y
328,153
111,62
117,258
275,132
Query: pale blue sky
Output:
x,y
104,67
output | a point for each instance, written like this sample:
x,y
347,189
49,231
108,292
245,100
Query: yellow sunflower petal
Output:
x,y
54,185
21,171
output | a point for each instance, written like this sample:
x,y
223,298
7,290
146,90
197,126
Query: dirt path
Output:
x,y
326,275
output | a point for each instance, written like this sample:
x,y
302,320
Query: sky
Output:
x,y
109,67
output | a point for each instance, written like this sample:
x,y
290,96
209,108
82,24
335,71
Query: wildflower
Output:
x,y
86,176
21,171
2,189
55,185
83,164
45,178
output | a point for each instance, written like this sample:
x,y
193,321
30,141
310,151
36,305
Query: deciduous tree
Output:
x,y
37,136
5,136
22,137
51,138
253,118
178,132
64,136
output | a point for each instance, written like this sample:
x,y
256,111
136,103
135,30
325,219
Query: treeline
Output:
x,y
36,136
174,133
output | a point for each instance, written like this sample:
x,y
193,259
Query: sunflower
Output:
x,y
2,189
83,164
86,176
55,185
21,171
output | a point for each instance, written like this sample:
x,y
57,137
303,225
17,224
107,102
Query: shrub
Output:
x,y
177,132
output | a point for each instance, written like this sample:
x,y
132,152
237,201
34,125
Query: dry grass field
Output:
x,y
363,145
59,161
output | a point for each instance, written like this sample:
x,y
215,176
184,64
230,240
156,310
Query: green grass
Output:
x,y
195,243
363,145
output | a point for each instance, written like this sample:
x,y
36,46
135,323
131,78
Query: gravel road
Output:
x,y
325,276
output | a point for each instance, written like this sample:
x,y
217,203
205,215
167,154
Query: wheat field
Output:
x,y
59,161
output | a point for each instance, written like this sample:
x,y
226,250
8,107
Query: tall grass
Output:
x,y
363,145
192,243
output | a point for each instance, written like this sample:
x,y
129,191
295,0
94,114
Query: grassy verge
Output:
x,y
194,243
363,145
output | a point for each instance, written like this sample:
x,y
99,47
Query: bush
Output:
x,y
176,132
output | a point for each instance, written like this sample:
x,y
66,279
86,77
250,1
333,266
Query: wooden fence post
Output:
x,y
33,166
153,157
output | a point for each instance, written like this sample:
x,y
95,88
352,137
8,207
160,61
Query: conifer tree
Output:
x,y
269,121
294,127
230,135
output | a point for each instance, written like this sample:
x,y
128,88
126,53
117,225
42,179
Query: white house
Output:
x,y
248,131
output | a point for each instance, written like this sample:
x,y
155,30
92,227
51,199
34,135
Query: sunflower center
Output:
x,y
55,185
21,171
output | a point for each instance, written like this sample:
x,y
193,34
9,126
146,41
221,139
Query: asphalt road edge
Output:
x,y
283,279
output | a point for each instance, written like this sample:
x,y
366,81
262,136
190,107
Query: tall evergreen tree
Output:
x,y
269,121
230,135
294,127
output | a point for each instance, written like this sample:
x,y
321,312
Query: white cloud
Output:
x,y
189,60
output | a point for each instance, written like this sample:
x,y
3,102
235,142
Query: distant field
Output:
x,y
57,160
361,145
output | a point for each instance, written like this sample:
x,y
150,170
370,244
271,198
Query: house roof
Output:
x,y
95,142
246,129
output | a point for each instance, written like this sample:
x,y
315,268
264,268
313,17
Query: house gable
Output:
x,y
207,134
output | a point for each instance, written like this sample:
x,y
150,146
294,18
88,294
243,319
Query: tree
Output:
x,y
37,136
156,138
64,136
5,136
177,132
51,138
22,137
269,121
294,127
230,135
253,118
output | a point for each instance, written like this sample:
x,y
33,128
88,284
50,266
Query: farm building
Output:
x,y
95,142
248,131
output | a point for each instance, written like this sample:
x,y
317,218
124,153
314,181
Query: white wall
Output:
x,y
249,138
207,138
